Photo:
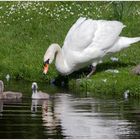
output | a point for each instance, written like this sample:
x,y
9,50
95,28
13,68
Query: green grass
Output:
x,y
28,28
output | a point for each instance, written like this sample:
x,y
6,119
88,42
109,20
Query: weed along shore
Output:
x,y
28,28
108,84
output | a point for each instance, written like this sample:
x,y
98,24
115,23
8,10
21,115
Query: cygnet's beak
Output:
x,y
46,66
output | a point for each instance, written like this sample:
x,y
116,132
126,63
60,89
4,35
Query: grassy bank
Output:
x,y
28,28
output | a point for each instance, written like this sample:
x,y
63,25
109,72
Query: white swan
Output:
x,y
86,43
38,94
8,94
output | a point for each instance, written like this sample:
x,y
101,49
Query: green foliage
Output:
x,y
28,28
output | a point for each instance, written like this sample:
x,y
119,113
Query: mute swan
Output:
x,y
86,43
38,94
8,94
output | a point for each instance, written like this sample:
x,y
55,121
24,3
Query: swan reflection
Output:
x,y
37,104
1,107
45,107
89,118
6,102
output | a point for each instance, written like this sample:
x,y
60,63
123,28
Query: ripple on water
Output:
x,y
69,116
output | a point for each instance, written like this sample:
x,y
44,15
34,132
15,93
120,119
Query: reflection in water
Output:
x,y
49,121
84,117
4,102
1,107
89,118
68,116
81,119
38,103
8,101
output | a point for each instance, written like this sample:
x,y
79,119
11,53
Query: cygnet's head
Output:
x,y
1,86
34,87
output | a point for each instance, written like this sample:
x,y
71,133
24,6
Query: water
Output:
x,y
67,115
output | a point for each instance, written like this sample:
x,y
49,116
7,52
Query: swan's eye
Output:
x,y
47,61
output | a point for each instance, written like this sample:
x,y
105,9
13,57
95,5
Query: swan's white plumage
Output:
x,y
121,43
87,42
92,33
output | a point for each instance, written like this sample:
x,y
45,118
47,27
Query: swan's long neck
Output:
x,y
34,88
60,61
34,91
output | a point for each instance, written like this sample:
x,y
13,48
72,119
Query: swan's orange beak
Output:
x,y
46,66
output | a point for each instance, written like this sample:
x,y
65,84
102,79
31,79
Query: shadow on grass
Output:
x,y
63,80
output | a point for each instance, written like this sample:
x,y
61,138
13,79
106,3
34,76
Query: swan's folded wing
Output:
x,y
106,35
99,34
80,35
74,26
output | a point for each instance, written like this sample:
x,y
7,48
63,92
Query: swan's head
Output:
x,y
34,87
1,86
49,56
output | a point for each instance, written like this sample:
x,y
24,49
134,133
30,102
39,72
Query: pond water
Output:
x,y
67,115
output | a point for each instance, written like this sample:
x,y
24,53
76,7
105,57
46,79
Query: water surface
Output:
x,y
67,115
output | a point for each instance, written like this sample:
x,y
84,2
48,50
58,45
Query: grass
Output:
x,y
28,28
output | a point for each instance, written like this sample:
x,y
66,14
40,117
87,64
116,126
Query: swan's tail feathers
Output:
x,y
122,43
134,40
126,41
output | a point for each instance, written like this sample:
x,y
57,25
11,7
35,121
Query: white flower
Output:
x,y
27,20
71,13
104,80
62,9
100,61
114,59
51,15
124,54
112,71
